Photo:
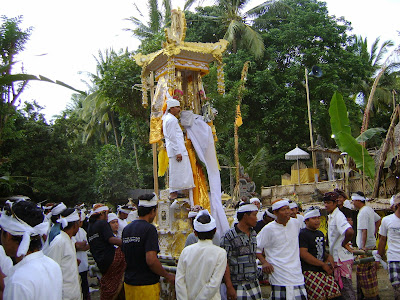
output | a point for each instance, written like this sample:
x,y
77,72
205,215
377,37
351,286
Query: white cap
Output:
x,y
112,217
278,204
254,199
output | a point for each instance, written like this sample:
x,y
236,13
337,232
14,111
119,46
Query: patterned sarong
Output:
x,y
343,269
288,292
249,290
367,281
394,272
145,292
111,282
319,285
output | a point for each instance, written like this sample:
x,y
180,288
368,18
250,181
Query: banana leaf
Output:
x,y
369,133
339,120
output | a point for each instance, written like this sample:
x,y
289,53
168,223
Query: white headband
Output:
x,y
292,205
391,201
47,207
171,102
192,214
247,208
358,197
312,213
279,204
124,210
254,199
270,215
200,227
58,209
18,227
149,203
112,217
73,217
99,209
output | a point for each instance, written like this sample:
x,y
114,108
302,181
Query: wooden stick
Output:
x,y
154,146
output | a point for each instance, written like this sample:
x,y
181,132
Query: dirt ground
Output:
x,y
385,288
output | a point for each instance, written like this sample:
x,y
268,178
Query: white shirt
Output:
x,y
121,226
201,267
174,141
5,262
301,220
132,216
35,277
366,219
260,215
390,228
281,247
337,226
81,236
62,250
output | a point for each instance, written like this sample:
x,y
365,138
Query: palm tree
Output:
x,y
157,20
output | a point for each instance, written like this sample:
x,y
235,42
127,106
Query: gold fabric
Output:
x,y
163,161
141,292
155,129
200,192
306,176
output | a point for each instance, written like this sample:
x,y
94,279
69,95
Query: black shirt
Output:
x,y
260,224
138,238
103,252
314,241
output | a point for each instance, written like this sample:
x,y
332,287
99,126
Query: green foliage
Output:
x,y
346,142
368,134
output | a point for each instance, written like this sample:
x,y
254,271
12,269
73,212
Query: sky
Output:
x,y
67,36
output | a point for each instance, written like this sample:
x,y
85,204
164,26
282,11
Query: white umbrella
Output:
x,y
297,154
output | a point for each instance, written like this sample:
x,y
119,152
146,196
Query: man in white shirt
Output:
x,y
180,170
257,203
368,221
202,265
389,233
23,226
62,251
123,212
295,213
81,246
278,251
340,234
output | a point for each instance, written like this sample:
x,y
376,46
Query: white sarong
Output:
x,y
180,174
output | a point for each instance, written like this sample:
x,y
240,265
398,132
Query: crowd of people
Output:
x,y
44,252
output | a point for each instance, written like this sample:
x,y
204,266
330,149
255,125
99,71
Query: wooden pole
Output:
x,y
154,146
385,149
314,161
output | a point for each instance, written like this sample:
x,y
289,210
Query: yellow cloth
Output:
x,y
142,292
163,161
306,176
155,130
200,192
238,119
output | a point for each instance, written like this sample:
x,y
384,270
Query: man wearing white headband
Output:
x,y
62,251
109,259
316,263
23,226
180,170
268,217
389,233
202,265
123,212
278,251
56,227
140,246
368,223
240,243
82,246
295,213
340,234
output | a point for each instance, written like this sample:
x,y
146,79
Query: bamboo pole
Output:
x,y
314,160
385,148
154,146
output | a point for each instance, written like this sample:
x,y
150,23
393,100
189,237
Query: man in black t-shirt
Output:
x,y
140,246
316,264
108,258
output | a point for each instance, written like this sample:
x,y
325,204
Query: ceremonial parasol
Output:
x,y
297,154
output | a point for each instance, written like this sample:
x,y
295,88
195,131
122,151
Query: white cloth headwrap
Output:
x,y
200,227
112,217
149,203
391,201
358,197
47,207
279,204
18,227
192,214
254,199
99,209
171,102
292,205
247,208
312,213
58,209
270,215
124,210
73,217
